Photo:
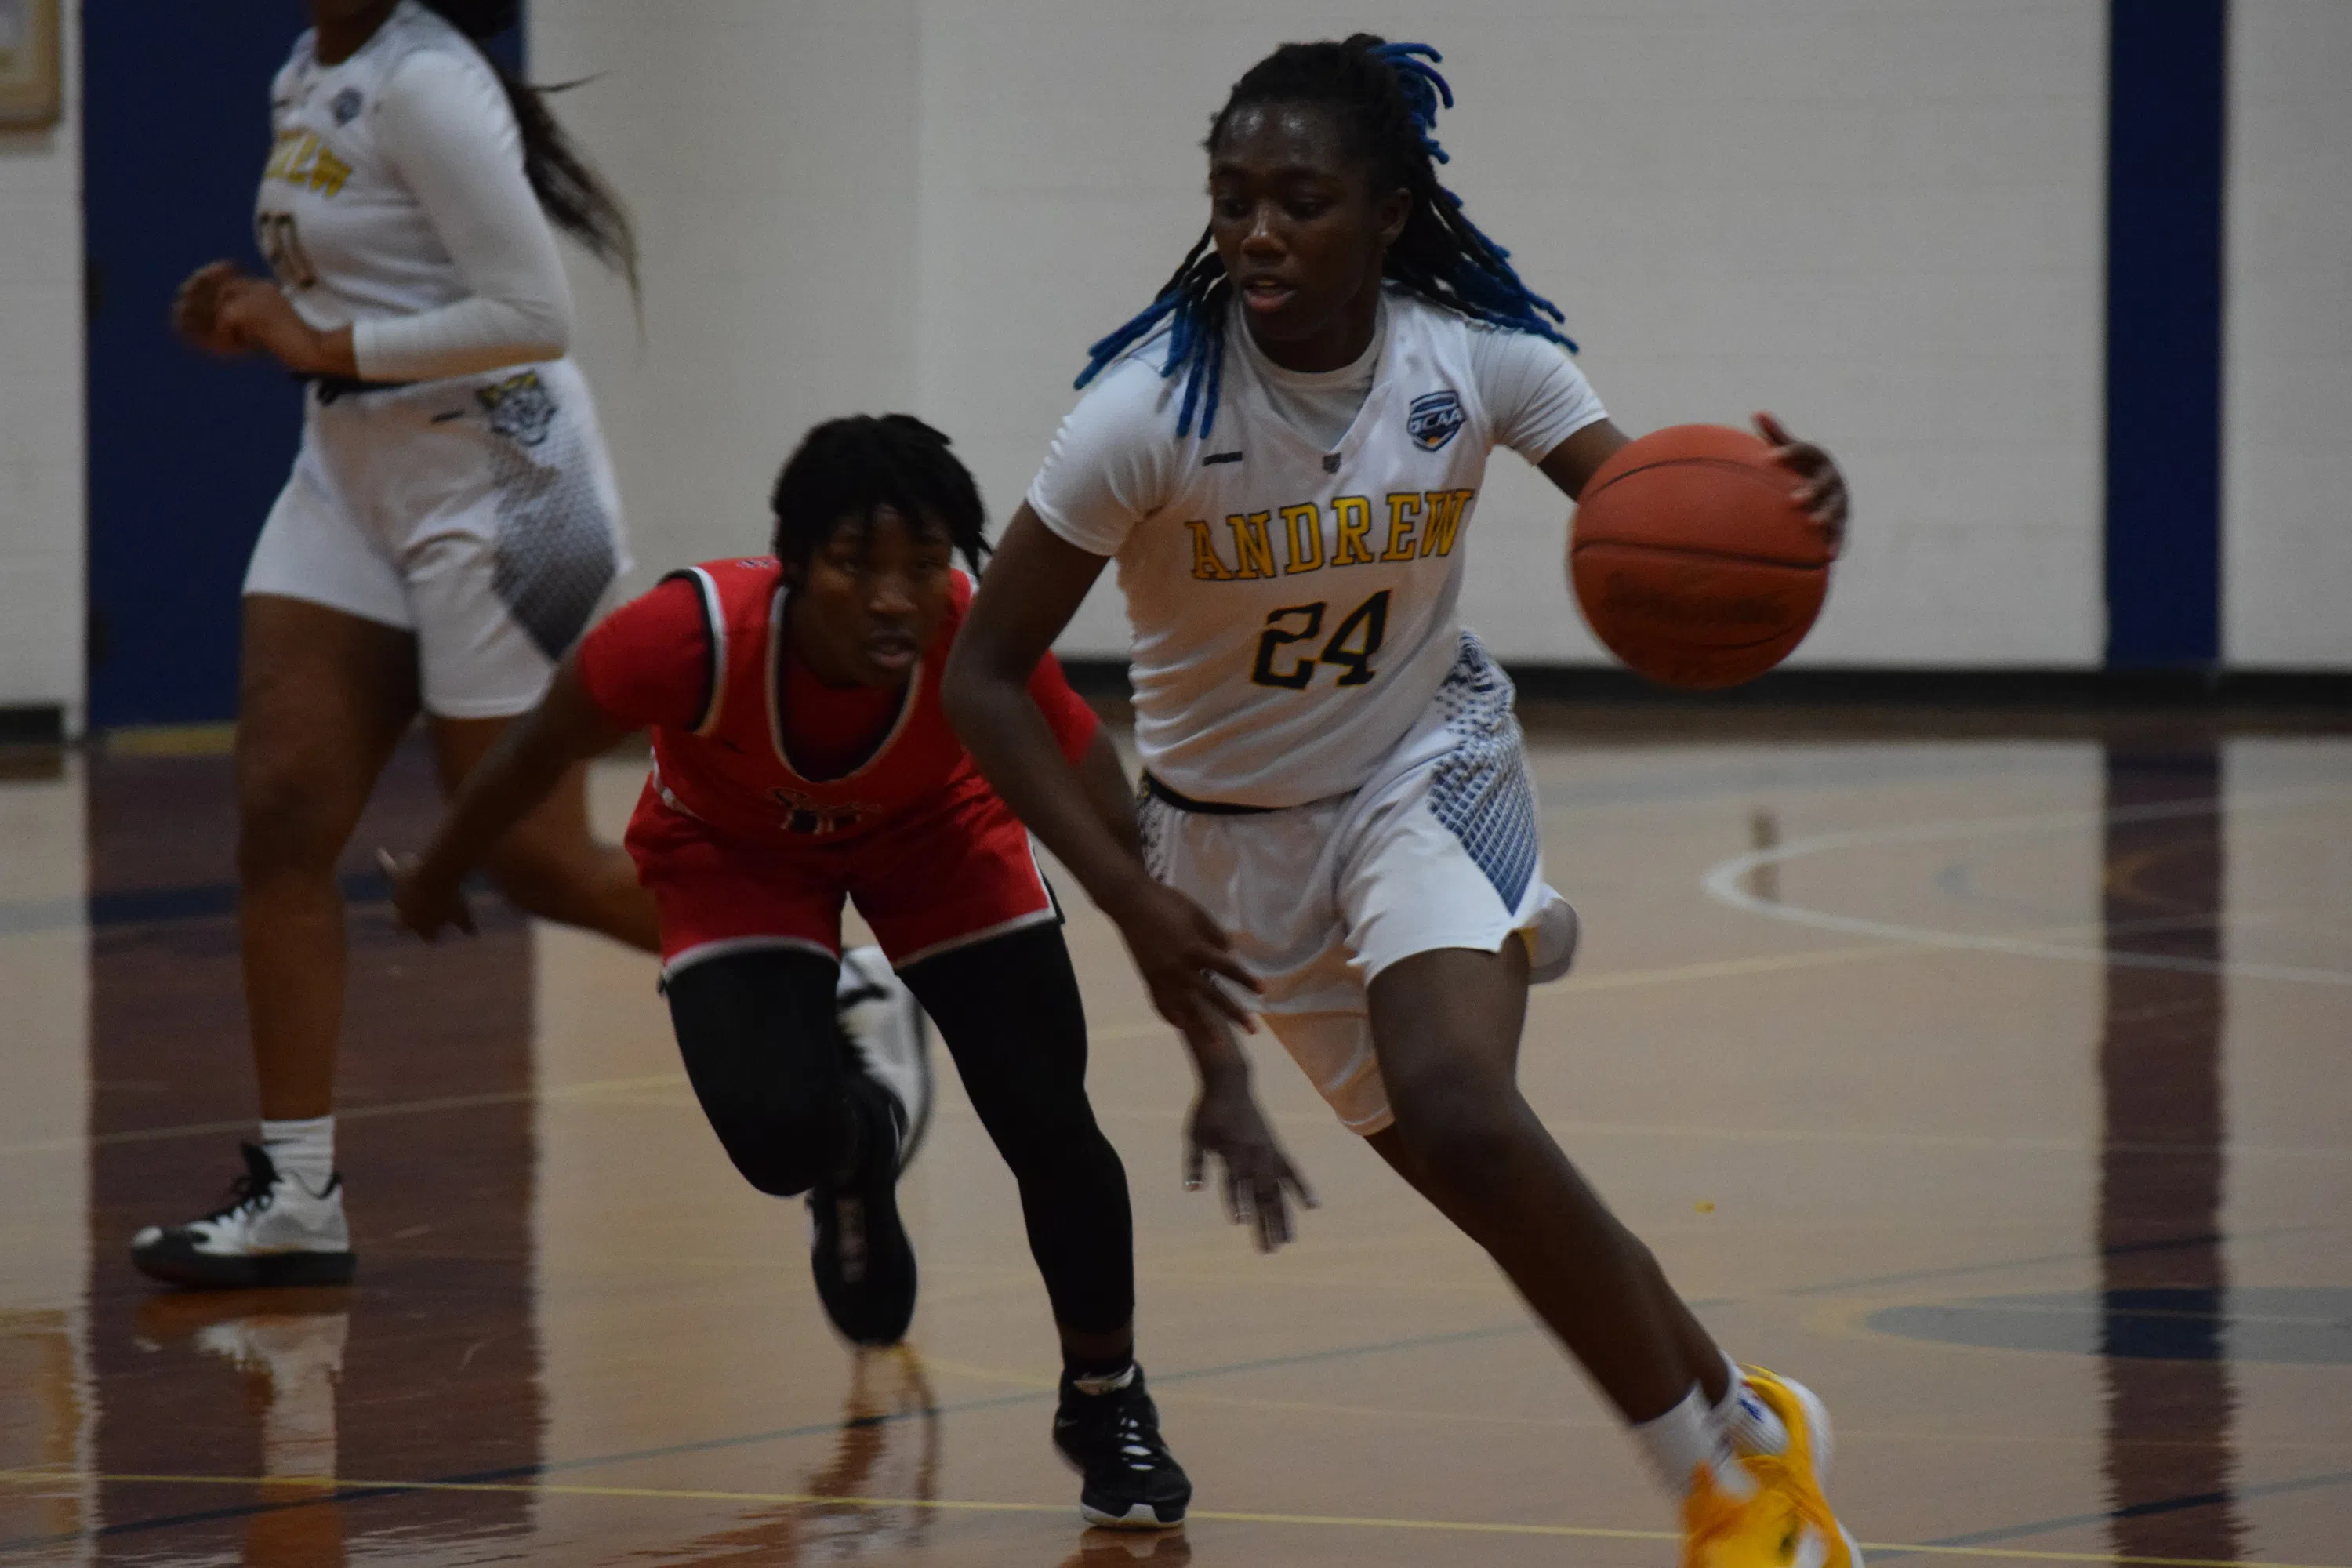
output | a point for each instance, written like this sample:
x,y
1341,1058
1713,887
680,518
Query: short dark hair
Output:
x,y
1385,96
852,467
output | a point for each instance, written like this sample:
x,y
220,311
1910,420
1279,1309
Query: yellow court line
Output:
x,y
957,1505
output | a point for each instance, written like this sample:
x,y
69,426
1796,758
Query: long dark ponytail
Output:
x,y
574,195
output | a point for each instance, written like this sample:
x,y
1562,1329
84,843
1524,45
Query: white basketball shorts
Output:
x,y
1439,848
478,512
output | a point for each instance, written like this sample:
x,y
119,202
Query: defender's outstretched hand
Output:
x,y
1824,494
420,903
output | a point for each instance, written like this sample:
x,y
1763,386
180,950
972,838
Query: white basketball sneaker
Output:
x,y
272,1231
889,1039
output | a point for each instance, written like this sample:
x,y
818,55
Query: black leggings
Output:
x,y
764,1051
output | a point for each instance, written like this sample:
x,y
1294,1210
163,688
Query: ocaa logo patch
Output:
x,y
1433,419
519,408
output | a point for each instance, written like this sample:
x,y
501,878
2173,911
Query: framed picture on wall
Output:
x,y
29,88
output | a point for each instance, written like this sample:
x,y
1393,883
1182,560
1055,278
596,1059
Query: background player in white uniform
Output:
x,y
450,527
1335,772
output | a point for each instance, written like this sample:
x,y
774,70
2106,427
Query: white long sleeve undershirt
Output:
x,y
449,135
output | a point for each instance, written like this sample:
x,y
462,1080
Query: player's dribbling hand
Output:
x,y
422,904
1186,958
1258,1178
196,308
1824,494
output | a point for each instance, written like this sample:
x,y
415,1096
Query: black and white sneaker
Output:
x,y
864,1264
889,1039
1130,1480
271,1231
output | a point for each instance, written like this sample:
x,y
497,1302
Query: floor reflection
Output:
x,y
287,1347
429,1365
1122,1548
888,1448
2169,1461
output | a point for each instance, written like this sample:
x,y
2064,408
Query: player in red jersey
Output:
x,y
800,756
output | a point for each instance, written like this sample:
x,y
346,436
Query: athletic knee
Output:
x,y
1054,1142
781,1153
1465,1134
286,821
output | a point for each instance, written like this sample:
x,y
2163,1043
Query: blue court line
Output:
x,y
154,906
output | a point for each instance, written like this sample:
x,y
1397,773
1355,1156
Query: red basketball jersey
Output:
x,y
703,676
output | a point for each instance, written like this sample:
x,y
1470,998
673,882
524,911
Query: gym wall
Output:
x,y
41,452
2286,404
1883,219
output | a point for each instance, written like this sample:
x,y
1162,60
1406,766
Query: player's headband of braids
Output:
x,y
1387,97
854,467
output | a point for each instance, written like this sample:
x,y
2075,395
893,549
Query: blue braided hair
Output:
x,y
1386,97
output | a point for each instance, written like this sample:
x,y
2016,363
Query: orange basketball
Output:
x,y
1692,561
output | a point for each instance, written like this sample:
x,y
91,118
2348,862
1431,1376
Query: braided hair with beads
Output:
x,y
1386,97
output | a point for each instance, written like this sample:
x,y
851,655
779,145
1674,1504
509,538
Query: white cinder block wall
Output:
x,y
42,440
2287,326
1881,218
767,154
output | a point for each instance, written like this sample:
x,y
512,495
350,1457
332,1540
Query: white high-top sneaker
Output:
x,y
890,1039
272,1231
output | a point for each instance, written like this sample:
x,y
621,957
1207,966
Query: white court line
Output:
x,y
1725,882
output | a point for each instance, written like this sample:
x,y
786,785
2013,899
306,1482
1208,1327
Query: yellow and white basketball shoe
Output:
x,y
1787,1522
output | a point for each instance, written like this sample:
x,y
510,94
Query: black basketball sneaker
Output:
x,y
1129,1479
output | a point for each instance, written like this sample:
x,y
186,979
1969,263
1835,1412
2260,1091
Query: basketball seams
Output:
x,y
1745,469
1695,554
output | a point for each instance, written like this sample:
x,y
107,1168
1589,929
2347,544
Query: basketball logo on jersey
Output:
x,y
805,813
1433,419
520,408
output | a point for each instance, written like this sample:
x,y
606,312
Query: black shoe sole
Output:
x,y
1106,1512
1139,1516
262,1272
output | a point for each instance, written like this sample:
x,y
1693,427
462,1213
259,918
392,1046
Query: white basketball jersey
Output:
x,y
346,236
1294,609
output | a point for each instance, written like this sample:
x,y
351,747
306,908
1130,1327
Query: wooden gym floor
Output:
x,y
1989,1076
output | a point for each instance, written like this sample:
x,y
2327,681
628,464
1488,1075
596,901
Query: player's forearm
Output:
x,y
511,780
1104,778
520,769
998,724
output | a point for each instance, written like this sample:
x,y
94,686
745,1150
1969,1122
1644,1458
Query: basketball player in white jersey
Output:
x,y
1283,454
450,528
